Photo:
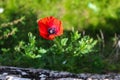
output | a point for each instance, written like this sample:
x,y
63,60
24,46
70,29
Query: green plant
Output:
x,y
30,49
8,30
82,45
72,51
63,52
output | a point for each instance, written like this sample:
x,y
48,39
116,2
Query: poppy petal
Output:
x,y
50,27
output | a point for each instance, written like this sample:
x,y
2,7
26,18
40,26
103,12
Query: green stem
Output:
x,y
58,44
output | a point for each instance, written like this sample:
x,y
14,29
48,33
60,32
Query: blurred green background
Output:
x,y
97,18
82,15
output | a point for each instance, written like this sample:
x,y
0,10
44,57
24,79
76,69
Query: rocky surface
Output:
x,y
14,73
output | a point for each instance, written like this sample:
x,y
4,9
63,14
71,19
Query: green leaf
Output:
x,y
64,41
76,35
41,50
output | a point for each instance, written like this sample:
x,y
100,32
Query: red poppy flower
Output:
x,y
50,27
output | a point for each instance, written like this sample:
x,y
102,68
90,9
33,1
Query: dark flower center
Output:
x,y
51,30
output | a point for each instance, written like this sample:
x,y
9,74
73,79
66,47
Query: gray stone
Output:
x,y
16,78
14,73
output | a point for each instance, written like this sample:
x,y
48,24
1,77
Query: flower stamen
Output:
x,y
51,30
